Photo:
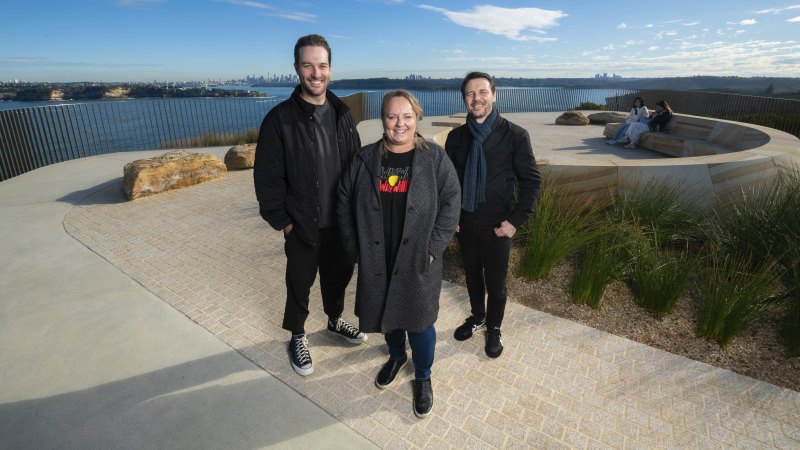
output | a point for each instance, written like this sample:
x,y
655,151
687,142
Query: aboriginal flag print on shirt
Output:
x,y
395,180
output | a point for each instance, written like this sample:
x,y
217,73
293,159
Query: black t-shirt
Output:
x,y
328,167
395,179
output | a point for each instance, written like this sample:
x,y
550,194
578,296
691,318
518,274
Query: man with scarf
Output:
x,y
493,158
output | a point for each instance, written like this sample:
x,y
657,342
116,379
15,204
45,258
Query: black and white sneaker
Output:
x,y
494,343
348,332
470,326
299,355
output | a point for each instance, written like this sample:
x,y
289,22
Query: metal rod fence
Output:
x,y
781,114
38,136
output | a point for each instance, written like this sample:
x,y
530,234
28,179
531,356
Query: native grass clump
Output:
x,y
739,263
561,226
214,140
764,229
734,294
601,263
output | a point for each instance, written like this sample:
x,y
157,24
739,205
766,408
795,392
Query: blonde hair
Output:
x,y
416,107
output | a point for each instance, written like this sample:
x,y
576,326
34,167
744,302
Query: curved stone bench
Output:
x,y
583,166
698,136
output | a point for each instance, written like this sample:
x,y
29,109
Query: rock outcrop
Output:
x,y
572,118
171,170
608,117
117,92
241,157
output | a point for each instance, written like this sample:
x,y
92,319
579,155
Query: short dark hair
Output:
x,y
641,102
311,40
472,76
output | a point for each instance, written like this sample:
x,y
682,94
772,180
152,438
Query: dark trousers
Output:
x,y
423,346
302,262
486,266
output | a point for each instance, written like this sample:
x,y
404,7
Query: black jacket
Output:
x,y
660,120
285,169
509,163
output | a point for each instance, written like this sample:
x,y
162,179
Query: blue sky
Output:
x,y
141,40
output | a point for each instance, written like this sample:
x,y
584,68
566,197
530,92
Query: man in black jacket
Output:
x,y
304,144
492,157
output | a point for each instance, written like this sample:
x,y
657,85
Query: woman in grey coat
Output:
x,y
399,204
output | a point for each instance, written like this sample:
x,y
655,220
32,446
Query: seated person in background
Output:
x,y
638,113
658,120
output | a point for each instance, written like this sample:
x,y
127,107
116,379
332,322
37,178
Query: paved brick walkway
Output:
x,y
559,384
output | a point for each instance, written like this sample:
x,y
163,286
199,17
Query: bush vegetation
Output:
x,y
590,106
560,227
742,261
215,140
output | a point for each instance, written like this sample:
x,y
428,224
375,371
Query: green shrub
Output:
x,y
660,212
659,276
561,226
589,106
602,262
764,227
215,140
732,296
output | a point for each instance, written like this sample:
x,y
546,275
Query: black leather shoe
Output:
x,y
423,398
388,372
494,343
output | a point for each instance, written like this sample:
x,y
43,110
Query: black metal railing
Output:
x,y
38,136
35,137
781,114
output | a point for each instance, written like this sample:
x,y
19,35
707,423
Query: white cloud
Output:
x,y
299,16
748,22
690,24
649,25
741,31
514,23
652,48
302,17
601,58
250,4
794,19
137,3
622,26
777,10
634,42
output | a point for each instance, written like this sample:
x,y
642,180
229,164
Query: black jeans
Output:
x,y
302,262
486,266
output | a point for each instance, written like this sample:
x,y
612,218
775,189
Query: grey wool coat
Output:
x,y
411,300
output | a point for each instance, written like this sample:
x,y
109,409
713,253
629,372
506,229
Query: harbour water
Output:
x,y
42,133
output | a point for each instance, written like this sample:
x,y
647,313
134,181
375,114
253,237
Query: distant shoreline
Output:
x,y
78,92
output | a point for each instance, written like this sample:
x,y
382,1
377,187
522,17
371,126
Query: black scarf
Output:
x,y
474,189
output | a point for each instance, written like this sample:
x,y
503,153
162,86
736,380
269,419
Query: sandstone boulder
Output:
x,y
171,170
572,118
241,157
608,117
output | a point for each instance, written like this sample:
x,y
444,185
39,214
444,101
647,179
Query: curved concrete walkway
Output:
x,y
89,358
156,323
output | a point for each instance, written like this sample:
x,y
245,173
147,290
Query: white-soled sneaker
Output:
x,y
346,331
299,355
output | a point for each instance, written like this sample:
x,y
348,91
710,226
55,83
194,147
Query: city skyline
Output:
x,y
145,40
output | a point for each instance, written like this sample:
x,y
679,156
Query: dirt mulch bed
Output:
x,y
757,353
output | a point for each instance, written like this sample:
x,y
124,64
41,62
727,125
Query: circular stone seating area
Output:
x,y
698,136
577,159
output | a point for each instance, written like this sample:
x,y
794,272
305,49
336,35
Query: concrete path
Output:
x,y
98,349
89,358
